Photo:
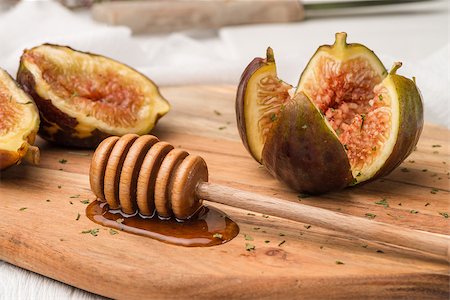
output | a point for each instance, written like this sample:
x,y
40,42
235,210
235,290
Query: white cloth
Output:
x,y
420,40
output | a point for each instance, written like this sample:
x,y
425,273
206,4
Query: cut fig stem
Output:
x,y
341,39
33,155
427,243
395,67
270,57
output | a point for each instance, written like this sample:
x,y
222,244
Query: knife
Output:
x,y
158,16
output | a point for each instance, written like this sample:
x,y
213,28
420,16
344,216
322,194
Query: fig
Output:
x,y
349,121
19,123
84,98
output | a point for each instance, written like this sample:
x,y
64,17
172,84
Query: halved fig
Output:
x,y
348,122
260,96
19,123
84,97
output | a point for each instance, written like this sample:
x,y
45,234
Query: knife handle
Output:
x,y
167,16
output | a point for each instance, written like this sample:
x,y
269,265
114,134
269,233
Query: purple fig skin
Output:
x,y
303,152
254,65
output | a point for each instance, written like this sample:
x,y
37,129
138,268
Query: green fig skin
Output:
x,y
302,151
410,121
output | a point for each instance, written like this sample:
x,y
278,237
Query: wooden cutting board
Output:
x,y
39,230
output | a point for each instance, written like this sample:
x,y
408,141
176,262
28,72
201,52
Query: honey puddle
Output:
x,y
209,227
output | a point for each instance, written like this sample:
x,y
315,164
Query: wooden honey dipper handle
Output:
x,y
142,174
432,243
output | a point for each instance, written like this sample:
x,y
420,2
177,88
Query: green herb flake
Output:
x,y
222,127
23,208
93,232
436,146
405,170
380,97
428,203
370,215
249,247
434,191
273,117
113,231
413,211
303,195
84,201
374,148
383,202
217,236
256,228
266,241
281,243
120,220
359,174
218,113
307,226
265,216
444,214
248,237
250,214
75,196
338,262
62,161
78,217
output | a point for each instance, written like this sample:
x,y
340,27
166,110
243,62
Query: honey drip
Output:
x,y
208,227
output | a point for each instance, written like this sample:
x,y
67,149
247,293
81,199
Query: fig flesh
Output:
x,y
84,97
348,122
19,123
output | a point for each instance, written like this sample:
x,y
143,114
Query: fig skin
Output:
x,y
410,120
26,151
302,151
58,126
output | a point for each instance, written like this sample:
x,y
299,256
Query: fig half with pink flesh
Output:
x,y
349,121
83,97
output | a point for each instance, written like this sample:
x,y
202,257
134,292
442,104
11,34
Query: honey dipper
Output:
x,y
144,174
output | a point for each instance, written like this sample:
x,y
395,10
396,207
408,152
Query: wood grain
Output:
x,y
46,236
